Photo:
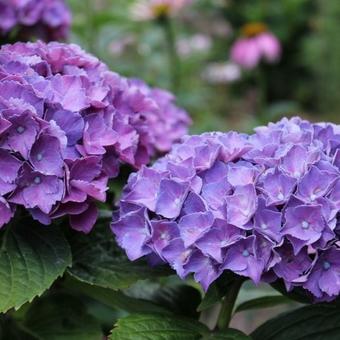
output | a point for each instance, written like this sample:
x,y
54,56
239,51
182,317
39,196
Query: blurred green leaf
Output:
x,y
217,290
99,261
179,299
316,322
155,327
281,109
61,317
228,334
212,296
297,294
11,330
263,302
31,259
114,299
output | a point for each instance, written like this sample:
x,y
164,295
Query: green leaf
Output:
x,y
314,322
10,329
155,327
228,334
263,302
217,290
297,294
180,299
114,299
61,317
98,260
212,296
31,259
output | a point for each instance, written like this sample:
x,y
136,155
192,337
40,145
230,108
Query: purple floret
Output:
x,y
44,19
67,124
264,206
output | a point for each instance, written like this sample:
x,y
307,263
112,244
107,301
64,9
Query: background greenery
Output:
x,y
86,284
306,80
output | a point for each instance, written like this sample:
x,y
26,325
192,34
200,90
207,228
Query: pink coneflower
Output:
x,y
256,44
143,10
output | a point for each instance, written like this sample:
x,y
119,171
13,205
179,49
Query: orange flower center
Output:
x,y
253,29
161,10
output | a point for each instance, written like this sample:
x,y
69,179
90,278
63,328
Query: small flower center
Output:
x,y
39,157
164,236
161,10
305,225
20,129
37,180
326,265
177,201
185,255
280,196
296,174
313,195
224,243
253,29
245,253
264,226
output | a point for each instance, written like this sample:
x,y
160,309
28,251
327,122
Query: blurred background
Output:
x,y
192,52
233,64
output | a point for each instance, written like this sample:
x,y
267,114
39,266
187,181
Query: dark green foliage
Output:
x,y
154,327
98,260
32,257
315,322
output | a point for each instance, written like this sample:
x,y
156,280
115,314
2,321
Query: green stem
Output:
x,y
174,60
262,95
228,304
90,27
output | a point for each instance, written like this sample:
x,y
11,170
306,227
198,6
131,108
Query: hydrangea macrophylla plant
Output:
x,y
66,125
45,19
255,45
264,206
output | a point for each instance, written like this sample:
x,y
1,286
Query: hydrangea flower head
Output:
x,y
255,45
45,19
264,206
66,125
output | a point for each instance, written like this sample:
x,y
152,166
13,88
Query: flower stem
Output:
x,y
262,95
90,27
174,60
228,304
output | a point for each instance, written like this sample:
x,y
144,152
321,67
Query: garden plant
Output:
x,y
169,169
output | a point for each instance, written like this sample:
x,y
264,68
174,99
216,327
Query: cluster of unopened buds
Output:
x,y
264,206
67,123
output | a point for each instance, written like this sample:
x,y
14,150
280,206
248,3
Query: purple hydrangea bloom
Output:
x,y
264,206
67,124
45,19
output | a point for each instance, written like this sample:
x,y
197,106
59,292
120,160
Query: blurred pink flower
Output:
x,y
270,46
143,10
256,45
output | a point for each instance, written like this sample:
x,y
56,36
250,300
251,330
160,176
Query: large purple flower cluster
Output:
x,y
66,125
264,206
45,19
